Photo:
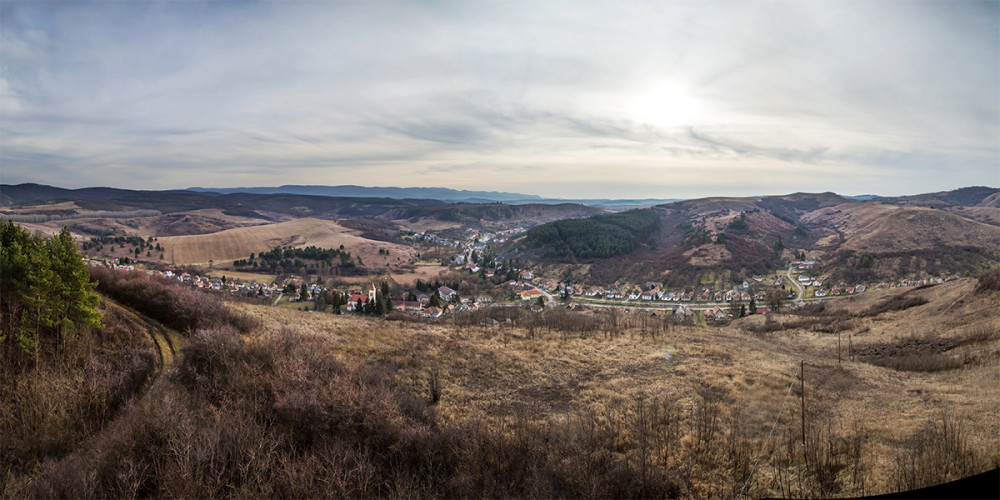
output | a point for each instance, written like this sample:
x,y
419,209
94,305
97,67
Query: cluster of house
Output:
x,y
656,293
422,305
718,313
437,240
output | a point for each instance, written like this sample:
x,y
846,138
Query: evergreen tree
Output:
x,y
72,294
46,290
753,306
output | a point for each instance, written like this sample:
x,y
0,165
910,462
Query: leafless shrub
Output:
x,y
977,335
938,453
169,302
405,318
435,387
899,302
926,362
273,416
49,410
769,326
989,281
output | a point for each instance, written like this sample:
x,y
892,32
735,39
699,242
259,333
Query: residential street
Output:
x,y
797,285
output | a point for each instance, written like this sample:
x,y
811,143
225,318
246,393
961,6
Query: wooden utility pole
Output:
x,y
802,392
838,348
850,348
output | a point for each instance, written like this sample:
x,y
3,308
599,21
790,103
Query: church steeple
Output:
x,y
372,292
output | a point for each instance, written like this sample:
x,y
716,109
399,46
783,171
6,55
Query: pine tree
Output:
x,y
46,289
72,294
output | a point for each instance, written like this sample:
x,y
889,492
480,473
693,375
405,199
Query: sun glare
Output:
x,y
665,104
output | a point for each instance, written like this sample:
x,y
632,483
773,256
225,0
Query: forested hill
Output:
x,y
600,236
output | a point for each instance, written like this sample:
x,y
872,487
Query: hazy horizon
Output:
x,y
529,195
560,100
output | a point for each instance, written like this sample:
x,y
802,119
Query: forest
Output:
x,y
600,236
289,258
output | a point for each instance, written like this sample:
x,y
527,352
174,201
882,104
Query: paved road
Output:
x,y
796,283
550,301
277,299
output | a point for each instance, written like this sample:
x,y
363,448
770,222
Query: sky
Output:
x,y
568,99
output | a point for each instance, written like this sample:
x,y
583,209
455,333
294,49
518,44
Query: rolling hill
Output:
x,y
757,234
33,203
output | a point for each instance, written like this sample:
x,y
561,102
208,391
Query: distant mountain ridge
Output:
x,y
352,191
432,193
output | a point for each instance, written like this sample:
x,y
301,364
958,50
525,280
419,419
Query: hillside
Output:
x,y
575,404
491,216
231,244
703,237
96,211
600,236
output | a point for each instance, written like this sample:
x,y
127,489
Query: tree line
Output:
x,y
288,258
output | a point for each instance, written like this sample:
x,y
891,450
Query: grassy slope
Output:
x,y
498,375
239,243
313,404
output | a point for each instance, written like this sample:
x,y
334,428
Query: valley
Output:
x,y
794,346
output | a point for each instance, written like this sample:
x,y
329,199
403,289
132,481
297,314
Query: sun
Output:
x,y
665,104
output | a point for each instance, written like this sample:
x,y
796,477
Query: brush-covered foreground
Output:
x,y
566,404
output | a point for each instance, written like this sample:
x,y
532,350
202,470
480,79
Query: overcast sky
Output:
x,y
604,99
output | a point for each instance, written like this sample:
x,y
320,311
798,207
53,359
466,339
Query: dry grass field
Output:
x,y
725,386
239,243
877,226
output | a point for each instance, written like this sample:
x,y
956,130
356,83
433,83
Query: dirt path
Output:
x,y
168,342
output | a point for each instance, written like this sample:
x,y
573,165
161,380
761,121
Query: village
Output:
x,y
799,285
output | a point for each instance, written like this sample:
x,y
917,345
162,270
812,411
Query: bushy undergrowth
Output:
x,y
47,411
50,408
607,323
989,281
168,302
899,302
924,362
937,453
278,417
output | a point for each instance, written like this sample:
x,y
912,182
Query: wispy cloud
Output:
x,y
550,98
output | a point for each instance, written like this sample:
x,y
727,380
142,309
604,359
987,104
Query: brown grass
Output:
x,y
350,406
226,246
519,371
48,411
